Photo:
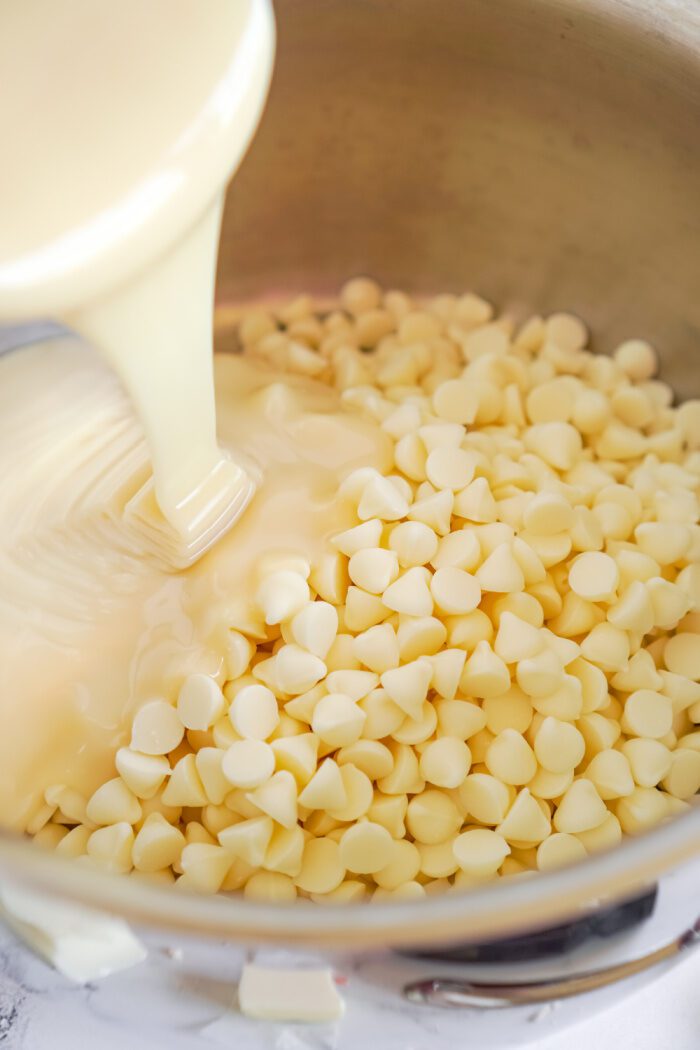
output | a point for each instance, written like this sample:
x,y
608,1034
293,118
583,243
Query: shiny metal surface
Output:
x,y
451,993
543,152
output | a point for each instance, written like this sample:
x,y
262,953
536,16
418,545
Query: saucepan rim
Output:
x,y
502,907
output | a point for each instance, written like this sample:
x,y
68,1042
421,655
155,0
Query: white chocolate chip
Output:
x,y
381,499
485,673
683,778
370,757
434,510
363,610
607,646
547,514
337,720
410,457
540,675
567,331
634,610
282,594
558,746
329,578
516,639
649,760
511,710
580,808
558,444
358,794
377,648
200,702
459,550
510,758
367,534
402,421
315,627
209,763
143,774
373,569
403,866
665,542
356,683
527,821
157,844
445,762
454,590
414,543
326,789
297,670
111,847
112,803
641,810
485,798
475,502
441,435
647,714
254,713
322,869
669,602
432,817
365,848
298,754
156,729
278,798
248,840
248,763
500,572
594,576
559,850
410,594
637,359
408,685
611,774
205,866
450,468
448,666
480,851
682,655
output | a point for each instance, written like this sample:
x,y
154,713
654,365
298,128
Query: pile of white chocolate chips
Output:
x,y
494,671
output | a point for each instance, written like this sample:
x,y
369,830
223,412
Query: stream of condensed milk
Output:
x,y
122,124
125,120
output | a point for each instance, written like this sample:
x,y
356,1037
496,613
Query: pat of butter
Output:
x,y
81,944
275,994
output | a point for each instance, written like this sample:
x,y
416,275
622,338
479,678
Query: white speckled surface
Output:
x,y
180,1000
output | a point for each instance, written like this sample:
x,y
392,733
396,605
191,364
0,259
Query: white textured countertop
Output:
x,y
170,1001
